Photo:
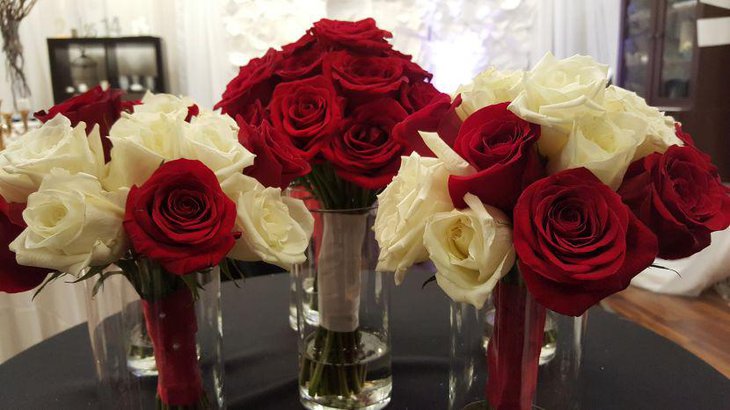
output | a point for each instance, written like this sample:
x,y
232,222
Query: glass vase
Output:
x,y
344,358
124,356
547,378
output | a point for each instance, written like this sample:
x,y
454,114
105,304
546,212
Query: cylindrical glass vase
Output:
x,y
126,369
467,356
556,365
344,359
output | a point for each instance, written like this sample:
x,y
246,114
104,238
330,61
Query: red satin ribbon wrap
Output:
x,y
514,349
172,326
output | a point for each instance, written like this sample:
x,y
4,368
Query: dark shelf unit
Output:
x,y
660,60
61,50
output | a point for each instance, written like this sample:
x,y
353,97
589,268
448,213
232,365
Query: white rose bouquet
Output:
x,y
172,200
560,188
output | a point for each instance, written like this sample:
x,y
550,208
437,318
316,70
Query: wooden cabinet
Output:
x,y
660,60
133,64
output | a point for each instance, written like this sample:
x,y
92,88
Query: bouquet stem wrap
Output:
x,y
514,350
339,269
171,325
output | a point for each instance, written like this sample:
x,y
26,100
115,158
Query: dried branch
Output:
x,y
12,12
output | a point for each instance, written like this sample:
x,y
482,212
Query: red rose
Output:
x,y
415,96
365,74
15,278
501,147
439,115
301,59
307,111
180,218
362,36
277,161
254,82
253,114
679,196
577,242
364,152
94,107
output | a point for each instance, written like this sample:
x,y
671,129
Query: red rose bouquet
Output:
x,y
335,110
556,191
169,201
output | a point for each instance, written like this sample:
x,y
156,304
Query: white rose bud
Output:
x,y
472,250
418,191
275,229
25,161
660,133
488,88
72,224
212,139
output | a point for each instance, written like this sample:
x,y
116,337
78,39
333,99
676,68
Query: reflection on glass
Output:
x,y
637,45
679,28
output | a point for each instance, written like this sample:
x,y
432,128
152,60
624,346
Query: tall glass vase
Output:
x,y
136,343
529,356
344,359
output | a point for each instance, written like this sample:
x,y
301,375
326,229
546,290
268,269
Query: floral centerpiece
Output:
x,y
556,187
335,111
159,197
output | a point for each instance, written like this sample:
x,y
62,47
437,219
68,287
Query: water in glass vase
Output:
x,y
342,370
141,356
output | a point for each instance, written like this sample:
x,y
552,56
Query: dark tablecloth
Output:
x,y
625,366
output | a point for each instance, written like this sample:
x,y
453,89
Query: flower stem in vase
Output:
x,y
514,350
168,303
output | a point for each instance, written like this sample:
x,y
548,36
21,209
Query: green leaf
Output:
x,y
49,279
429,280
100,283
225,266
93,271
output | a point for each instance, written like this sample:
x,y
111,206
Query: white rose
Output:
x,y
418,191
489,87
471,249
556,92
72,224
212,138
25,161
140,143
168,104
660,133
275,229
604,144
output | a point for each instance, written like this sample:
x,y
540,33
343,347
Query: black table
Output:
x,y
625,366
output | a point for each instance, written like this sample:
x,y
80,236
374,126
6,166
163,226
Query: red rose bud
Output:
x,y
180,218
416,96
277,161
307,111
514,349
15,278
577,242
501,147
361,36
254,81
172,326
94,107
680,197
365,74
364,152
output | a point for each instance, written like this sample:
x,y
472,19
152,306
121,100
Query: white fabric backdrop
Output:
x,y
204,40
